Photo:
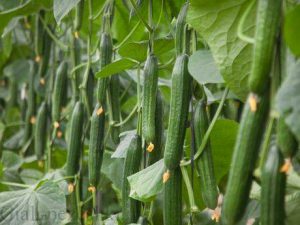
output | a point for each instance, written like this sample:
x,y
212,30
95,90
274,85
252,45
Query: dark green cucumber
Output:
x,y
31,106
156,154
75,139
286,141
75,58
96,147
180,98
40,133
149,98
13,93
46,50
205,165
131,207
39,33
172,205
180,29
114,93
243,161
105,59
272,189
59,90
267,26
79,15
90,89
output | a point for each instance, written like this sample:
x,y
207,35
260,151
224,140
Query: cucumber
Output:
x,y
46,50
149,98
180,29
79,15
31,106
114,93
75,143
205,165
12,100
180,98
38,34
267,26
105,59
96,147
90,89
172,204
59,90
272,189
131,207
243,161
40,133
286,141
156,154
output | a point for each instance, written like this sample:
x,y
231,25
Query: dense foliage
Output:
x,y
149,112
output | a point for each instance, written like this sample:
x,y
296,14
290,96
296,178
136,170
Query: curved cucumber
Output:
x,y
131,207
172,206
96,147
272,189
75,145
149,98
243,161
205,165
267,25
180,98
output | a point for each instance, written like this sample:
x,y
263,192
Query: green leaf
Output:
x,y
115,67
11,161
42,204
121,150
287,100
31,176
217,22
292,31
62,8
138,50
24,9
147,183
19,70
222,139
203,68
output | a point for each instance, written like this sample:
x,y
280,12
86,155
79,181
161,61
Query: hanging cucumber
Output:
x,y
114,93
75,136
243,161
79,15
180,29
172,206
105,59
131,207
38,35
180,98
156,153
59,90
96,147
267,26
149,98
205,165
44,62
40,133
90,89
272,189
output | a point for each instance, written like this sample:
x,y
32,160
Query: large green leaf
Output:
x,y
203,68
27,8
222,140
288,98
292,30
147,183
62,8
43,204
122,148
217,22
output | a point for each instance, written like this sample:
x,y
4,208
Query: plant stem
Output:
x,y
128,117
14,184
140,16
193,206
128,36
